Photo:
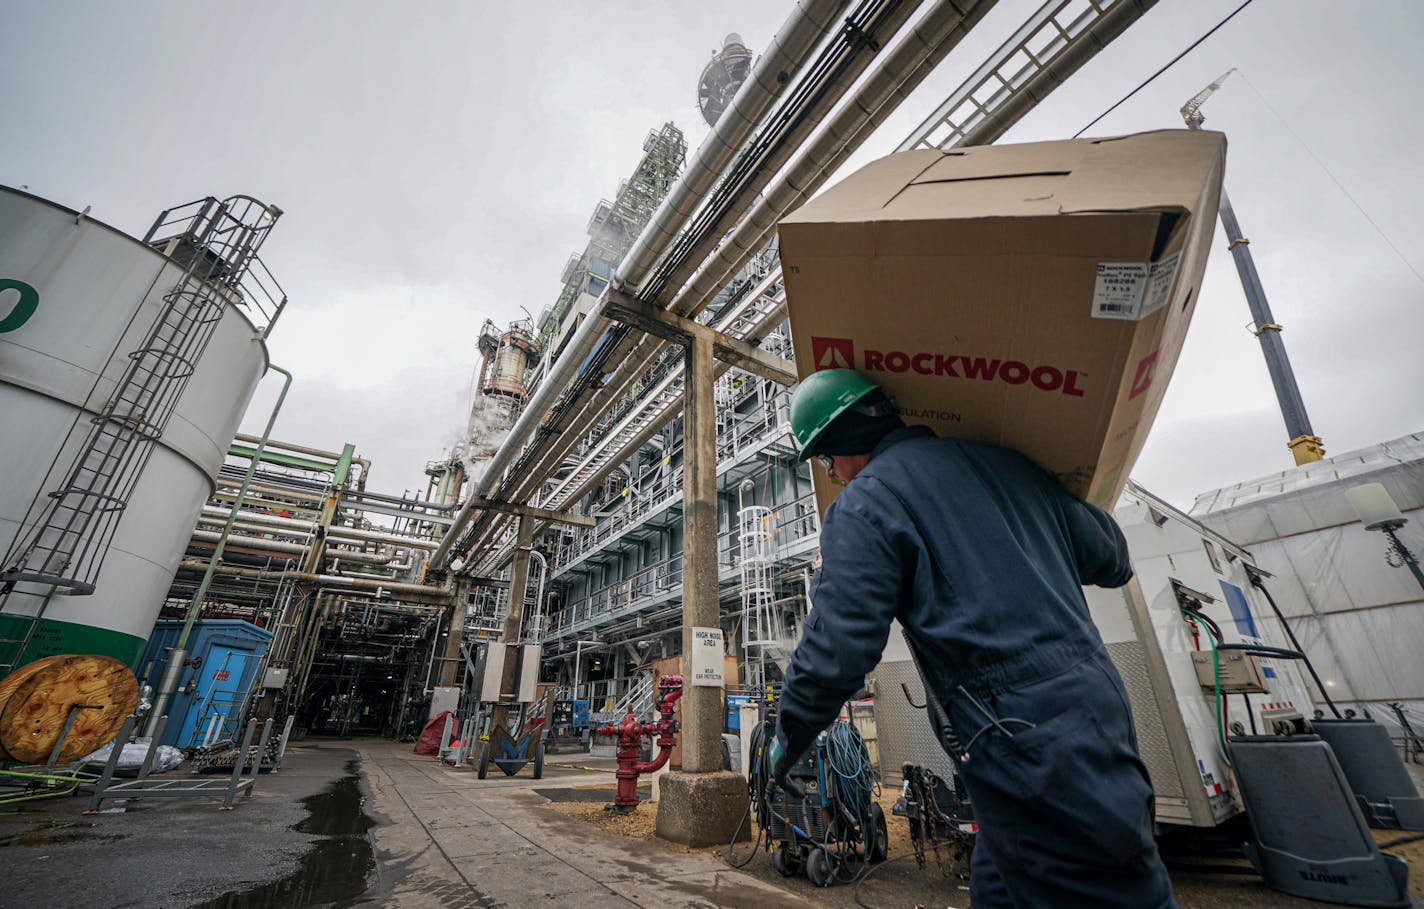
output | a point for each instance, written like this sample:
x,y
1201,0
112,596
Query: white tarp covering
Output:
x,y
131,758
1360,618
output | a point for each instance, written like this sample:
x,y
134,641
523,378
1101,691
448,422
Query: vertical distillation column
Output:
x,y
760,623
74,520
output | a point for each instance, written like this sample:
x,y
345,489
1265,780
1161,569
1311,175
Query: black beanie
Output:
x,y
854,433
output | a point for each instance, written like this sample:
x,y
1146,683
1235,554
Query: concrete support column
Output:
x,y
701,707
514,618
702,804
450,659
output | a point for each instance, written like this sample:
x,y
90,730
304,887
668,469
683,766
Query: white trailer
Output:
x,y
1165,658
1165,661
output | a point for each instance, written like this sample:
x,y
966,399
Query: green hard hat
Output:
x,y
820,398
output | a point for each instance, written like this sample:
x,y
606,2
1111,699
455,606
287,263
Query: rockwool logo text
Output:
x,y
957,366
839,353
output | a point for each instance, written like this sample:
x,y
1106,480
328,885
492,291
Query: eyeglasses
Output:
x,y
825,461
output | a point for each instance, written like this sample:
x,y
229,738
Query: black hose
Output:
x,y
1260,584
757,775
1209,622
899,858
1264,650
1412,838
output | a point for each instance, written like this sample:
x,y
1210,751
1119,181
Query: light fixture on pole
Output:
x,y
1377,511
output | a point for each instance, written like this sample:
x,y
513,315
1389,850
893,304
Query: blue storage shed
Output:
x,y
227,652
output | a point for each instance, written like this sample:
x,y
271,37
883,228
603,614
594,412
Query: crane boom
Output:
x,y
1191,111
1306,447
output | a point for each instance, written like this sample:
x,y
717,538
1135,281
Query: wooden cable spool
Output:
x,y
35,701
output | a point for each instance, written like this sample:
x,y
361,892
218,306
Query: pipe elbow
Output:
x,y
656,763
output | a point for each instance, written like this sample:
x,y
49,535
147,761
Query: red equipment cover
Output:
x,y
429,741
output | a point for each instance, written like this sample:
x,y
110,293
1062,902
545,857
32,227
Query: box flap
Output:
x,y
1019,195
986,161
1155,171
864,194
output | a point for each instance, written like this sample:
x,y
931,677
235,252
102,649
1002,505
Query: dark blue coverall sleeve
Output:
x,y
864,573
1098,545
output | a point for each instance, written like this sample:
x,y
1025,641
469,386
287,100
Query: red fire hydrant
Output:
x,y
630,734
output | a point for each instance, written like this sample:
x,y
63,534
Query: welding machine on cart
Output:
x,y
837,829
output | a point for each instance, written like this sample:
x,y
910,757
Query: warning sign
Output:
x,y
705,665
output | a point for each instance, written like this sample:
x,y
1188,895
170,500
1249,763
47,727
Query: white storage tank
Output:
x,y
77,297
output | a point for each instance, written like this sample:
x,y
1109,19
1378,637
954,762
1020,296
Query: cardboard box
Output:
x,y
1033,296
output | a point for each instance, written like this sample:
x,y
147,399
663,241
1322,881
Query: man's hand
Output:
x,y
781,762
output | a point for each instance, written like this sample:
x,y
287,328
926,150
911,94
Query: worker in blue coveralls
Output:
x,y
981,555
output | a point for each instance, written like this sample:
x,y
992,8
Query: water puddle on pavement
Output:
x,y
335,870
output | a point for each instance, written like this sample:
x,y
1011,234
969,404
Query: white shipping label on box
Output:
x,y
1117,293
705,663
1131,290
1159,284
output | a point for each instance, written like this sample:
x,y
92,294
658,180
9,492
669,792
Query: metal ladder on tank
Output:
x,y
73,523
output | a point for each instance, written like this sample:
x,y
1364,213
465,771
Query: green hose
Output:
x,y
1216,681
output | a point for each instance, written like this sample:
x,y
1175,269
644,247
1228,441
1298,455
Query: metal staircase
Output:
x,y
71,524
638,698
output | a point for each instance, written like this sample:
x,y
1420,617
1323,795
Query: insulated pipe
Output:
x,y
900,72
998,120
315,452
806,26
855,54
358,556
379,577
914,56
306,527
641,350
288,446
352,494
376,536
289,526
364,558
809,23
397,590
179,653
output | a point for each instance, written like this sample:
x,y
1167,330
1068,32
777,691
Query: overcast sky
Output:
x,y
438,161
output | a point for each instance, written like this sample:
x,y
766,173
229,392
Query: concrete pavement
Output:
x,y
447,839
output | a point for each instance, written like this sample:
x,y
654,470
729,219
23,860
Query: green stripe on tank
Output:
x,y
53,637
